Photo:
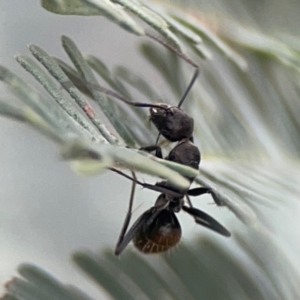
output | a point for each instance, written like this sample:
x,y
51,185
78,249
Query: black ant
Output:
x,y
158,229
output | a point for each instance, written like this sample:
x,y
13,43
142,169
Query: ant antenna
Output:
x,y
67,84
196,73
185,58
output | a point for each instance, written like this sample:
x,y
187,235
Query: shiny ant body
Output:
x,y
158,229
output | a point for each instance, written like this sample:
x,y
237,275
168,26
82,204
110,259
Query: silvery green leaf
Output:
x,y
91,8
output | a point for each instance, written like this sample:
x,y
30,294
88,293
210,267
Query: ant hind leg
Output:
x,y
128,216
205,190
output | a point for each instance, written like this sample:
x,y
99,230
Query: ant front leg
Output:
x,y
205,190
156,148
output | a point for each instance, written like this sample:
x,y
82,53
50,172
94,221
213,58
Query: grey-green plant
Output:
x,y
246,111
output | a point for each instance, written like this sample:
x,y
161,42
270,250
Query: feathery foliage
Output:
x,y
245,106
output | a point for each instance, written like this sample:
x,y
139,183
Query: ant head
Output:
x,y
162,233
172,122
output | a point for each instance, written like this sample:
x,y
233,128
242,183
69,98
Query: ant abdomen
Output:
x,y
172,122
160,235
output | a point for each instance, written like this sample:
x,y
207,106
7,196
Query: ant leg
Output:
x,y
199,191
204,190
144,220
128,215
132,231
190,204
171,192
157,139
206,220
161,189
157,149
189,201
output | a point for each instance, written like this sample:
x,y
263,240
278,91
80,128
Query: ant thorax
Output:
x,y
185,153
176,204
167,202
172,122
